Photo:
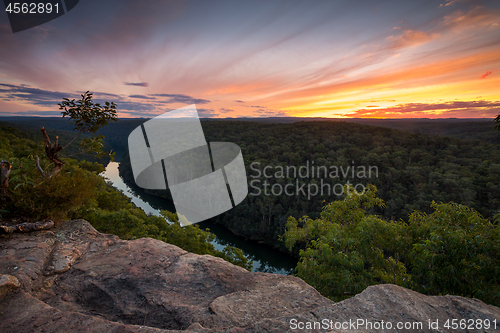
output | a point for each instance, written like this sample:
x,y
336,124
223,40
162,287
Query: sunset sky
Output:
x,y
382,59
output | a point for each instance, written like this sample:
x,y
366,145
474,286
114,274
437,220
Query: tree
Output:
x,y
346,250
497,122
87,118
453,250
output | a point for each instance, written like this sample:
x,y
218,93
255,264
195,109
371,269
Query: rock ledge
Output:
x,y
74,279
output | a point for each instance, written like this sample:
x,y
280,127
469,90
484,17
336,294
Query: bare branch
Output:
x,y
52,151
39,167
72,140
5,168
27,227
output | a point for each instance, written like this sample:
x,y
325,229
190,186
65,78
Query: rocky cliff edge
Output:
x,y
75,279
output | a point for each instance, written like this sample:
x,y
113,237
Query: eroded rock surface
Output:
x,y
8,284
74,279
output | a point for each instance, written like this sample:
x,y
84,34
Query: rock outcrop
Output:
x,y
74,279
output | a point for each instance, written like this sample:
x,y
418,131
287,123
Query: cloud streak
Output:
x,y
149,105
410,38
181,98
467,109
486,74
141,96
33,95
137,84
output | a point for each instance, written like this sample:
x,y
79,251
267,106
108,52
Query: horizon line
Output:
x,y
275,117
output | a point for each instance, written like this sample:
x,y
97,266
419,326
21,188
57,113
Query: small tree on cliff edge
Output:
x,y
497,122
87,118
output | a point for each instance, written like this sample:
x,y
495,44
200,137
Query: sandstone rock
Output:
x,y
75,279
390,304
8,283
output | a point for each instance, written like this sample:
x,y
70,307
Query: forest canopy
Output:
x,y
410,170
453,250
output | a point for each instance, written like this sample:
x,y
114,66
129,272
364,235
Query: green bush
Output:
x,y
450,251
455,251
345,251
36,197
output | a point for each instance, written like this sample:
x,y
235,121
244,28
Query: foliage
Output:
x,y
37,193
79,192
13,143
199,241
450,251
129,222
455,251
37,197
345,250
413,169
497,122
89,117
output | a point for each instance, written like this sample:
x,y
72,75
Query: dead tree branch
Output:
x,y
51,151
39,167
5,168
26,227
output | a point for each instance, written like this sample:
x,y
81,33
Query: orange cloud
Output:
x,y
411,38
486,74
461,109
448,71
476,17
449,3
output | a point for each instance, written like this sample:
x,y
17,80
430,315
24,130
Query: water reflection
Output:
x,y
113,175
265,258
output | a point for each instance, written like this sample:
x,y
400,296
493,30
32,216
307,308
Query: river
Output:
x,y
264,257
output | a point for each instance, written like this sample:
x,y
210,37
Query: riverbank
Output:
x,y
264,257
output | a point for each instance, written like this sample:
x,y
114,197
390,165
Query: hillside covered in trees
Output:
x,y
412,170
